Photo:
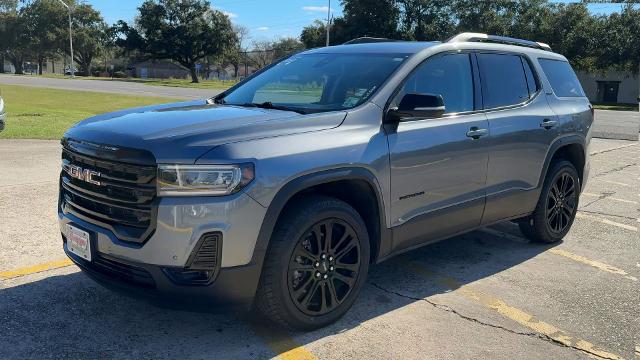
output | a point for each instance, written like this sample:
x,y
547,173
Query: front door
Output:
x,y
439,165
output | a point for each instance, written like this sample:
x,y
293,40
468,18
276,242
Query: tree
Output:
x,y
14,39
314,35
8,6
262,53
46,24
286,46
90,35
238,52
426,19
185,31
377,18
618,40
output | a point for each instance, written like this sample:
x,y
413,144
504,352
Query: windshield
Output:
x,y
317,82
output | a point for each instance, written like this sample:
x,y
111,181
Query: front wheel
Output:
x,y
317,262
557,206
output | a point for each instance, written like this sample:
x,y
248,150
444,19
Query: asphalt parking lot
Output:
x,y
486,294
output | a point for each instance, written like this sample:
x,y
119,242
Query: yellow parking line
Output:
x,y
282,344
606,221
638,351
594,263
34,269
513,313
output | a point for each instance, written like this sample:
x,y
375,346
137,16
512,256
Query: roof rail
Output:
x,y
479,37
367,39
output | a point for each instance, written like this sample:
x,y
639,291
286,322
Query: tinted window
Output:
x,y
531,81
503,80
449,76
562,78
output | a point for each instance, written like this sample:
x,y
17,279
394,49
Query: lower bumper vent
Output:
x,y
203,264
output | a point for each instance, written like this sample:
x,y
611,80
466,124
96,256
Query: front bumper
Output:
x,y
144,269
233,287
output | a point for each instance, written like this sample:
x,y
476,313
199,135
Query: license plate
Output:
x,y
78,242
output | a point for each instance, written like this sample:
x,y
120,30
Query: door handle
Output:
x,y
548,123
476,133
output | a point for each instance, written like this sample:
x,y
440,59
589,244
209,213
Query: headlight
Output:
x,y
203,180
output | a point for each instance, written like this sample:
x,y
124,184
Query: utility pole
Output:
x,y
328,21
71,69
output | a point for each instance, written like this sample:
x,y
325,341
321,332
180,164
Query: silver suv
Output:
x,y
283,190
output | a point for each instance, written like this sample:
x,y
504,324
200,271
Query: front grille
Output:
x,y
119,196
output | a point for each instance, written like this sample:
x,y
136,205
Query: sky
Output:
x,y
265,19
269,19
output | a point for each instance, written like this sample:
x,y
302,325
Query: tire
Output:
x,y
291,293
551,219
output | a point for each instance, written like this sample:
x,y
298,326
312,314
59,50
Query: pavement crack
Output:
x,y
535,335
613,149
453,311
605,214
620,168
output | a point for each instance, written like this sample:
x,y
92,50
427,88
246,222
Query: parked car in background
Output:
x,y
285,188
67,71
3,114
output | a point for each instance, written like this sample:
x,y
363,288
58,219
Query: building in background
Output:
x,y
158,69
611,86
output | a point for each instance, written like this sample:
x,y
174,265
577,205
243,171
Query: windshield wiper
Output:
x,y
270,105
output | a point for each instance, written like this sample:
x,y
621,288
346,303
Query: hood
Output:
x,y
182,132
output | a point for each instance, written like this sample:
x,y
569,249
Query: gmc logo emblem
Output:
x,y
82,174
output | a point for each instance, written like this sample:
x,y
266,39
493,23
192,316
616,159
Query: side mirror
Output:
x,y
417,106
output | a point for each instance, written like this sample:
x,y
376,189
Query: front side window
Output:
x,y
503,80
449,76
562,78
317,82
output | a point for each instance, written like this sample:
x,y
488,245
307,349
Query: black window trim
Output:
x,y
553,91
534,71
475,76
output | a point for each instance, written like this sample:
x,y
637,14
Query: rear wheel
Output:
x,y
317,262
557,206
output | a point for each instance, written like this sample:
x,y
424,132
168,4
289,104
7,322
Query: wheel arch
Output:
x,y
355,185
571,148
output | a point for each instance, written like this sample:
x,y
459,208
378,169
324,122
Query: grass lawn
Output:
x,y
615,106
185,83
40,113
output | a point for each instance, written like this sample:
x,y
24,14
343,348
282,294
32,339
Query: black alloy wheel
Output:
x,y
557,205
561,203
323,268
316,264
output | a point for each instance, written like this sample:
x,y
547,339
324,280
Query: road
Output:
x,y
621,125
486,294
109,86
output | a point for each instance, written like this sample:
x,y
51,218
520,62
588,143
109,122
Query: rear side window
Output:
x,y
504,81
562,78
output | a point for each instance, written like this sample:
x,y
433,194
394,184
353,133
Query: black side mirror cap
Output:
x,y
418,106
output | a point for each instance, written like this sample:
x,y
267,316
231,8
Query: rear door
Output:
x,y
438,170
522,129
